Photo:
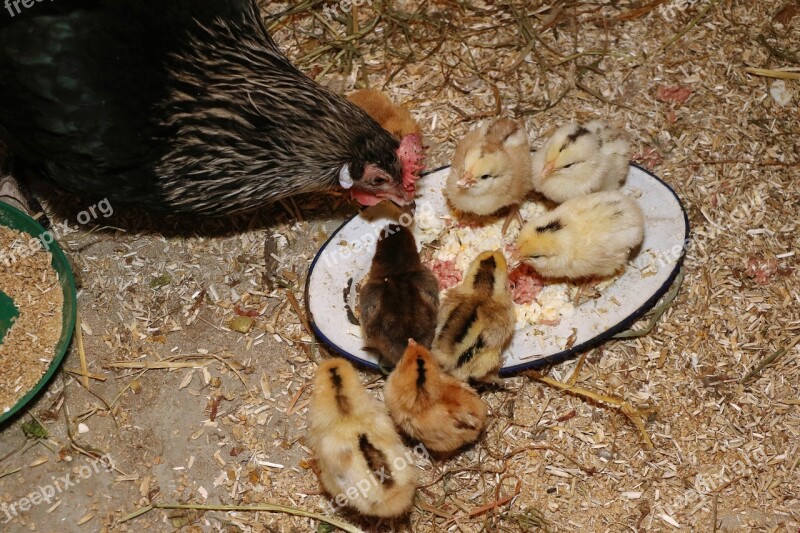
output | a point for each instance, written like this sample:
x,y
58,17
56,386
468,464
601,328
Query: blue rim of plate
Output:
x,y
537,363
69,309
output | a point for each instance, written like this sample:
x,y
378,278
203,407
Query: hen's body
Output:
x,y
184,105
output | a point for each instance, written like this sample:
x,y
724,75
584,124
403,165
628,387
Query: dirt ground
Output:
x,y
189,411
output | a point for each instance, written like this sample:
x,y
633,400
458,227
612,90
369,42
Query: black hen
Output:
x,y
179,105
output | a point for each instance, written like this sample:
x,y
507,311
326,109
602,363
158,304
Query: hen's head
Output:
x,y
384,170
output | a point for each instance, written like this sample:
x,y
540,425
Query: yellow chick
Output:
x,y
476,320
437,409
362,462
581,159
587,236
491,169
617,153
393,118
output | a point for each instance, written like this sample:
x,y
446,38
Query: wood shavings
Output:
x,y
725,453
28,347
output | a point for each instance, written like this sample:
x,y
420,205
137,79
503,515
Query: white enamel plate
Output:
x,y
345,259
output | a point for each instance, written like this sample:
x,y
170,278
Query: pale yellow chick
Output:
x,y
393,118
491,169
584,237
476,321
428,405
361,460
581,159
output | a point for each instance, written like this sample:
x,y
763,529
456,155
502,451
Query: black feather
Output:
x,y
376,461
421,377
184,105
342,402
469,353
580,132
484,278
466,325
553,226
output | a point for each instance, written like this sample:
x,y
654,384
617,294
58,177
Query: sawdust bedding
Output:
x,y
725,448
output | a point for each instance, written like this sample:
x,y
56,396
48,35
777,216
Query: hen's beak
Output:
x,y
467,180
406,206
548,169
402,198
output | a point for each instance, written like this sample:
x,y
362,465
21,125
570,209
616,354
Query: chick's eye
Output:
x,y
535,256
486,176
567,166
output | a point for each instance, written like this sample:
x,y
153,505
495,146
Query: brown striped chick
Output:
x,y
476,321
361,460
428,405
588,236
581,159
393,118
491,169
400,298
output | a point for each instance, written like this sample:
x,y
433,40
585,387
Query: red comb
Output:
x,y
412,156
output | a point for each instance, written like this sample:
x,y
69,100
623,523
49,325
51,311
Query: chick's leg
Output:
x,y
513,214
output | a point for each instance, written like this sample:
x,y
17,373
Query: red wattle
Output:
x,y
412,158
364,198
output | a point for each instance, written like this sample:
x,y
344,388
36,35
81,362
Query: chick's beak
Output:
x,y
548,169
467,180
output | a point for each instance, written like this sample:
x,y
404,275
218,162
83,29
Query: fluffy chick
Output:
x,y
491,169
616,150
393,118
400,298
361,459
581,159
476,320
587,236
437,409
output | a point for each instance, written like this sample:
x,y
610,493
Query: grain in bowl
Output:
x,y
28,347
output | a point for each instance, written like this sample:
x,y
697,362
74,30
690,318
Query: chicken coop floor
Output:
x,y
190,411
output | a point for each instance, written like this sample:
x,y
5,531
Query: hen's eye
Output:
x,y
486,176
379,181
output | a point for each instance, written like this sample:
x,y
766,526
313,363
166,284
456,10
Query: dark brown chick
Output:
x,y
437,409
400,298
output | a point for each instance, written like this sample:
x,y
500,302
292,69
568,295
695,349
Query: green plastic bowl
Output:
x,y
16,219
